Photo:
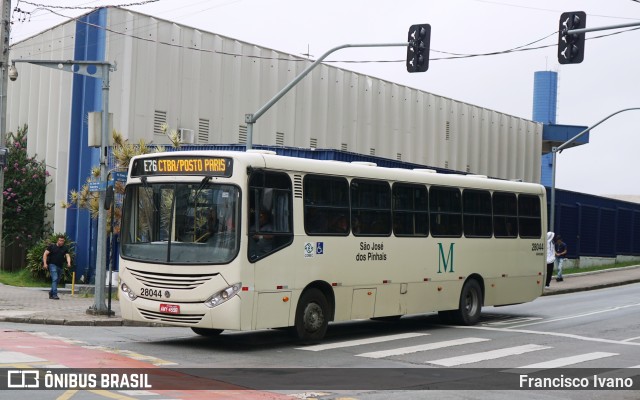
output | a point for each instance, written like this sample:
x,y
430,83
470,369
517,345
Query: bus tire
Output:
x,y
312,316
470,305
207,332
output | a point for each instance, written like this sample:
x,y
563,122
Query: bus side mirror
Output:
x,y
108,198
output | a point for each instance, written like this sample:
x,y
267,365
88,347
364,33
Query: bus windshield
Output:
x,y
182,223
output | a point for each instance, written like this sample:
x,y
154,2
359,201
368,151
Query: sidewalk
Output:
x,y
32,305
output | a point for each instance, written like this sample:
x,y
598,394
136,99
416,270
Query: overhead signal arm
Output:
x,y
571,35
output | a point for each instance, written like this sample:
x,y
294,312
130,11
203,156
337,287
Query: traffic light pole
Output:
x,y
251,119
601,28
555,150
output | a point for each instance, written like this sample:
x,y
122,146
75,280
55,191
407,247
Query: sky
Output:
x,y
607,81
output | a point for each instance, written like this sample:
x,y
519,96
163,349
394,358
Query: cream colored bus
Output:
x,y
216,240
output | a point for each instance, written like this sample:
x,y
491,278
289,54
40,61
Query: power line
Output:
x,y
48,6
452,55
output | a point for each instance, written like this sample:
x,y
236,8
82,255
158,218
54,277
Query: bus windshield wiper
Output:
x,y
203,183
147,189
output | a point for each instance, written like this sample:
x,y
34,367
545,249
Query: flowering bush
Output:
x,y
25,183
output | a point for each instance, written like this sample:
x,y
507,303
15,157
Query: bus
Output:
x,y
226,240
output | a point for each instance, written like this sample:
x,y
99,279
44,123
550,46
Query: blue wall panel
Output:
x,y
624,231
86,92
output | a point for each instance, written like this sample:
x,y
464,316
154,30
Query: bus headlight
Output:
x,y
128,291
223,295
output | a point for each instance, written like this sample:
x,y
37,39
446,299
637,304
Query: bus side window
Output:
x,y
505,215
410,210
529,217
326,205
445,210
371,206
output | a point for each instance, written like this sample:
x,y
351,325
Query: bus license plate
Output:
x,y
170,308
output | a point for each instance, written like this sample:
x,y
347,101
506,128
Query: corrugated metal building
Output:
x,y
204,84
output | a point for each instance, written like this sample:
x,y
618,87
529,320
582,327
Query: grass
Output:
x,y
566,271
21,278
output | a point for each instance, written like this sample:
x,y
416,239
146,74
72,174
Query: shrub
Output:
x,y
25,183
35,253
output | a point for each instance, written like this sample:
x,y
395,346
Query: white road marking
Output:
x,y
13,357
564,361
421,347
487,355
359,342
564,335
608,310
512,321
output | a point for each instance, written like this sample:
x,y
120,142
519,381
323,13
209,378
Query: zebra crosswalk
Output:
x,y
465,357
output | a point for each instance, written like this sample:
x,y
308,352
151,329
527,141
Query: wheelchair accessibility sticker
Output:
x,y
312,249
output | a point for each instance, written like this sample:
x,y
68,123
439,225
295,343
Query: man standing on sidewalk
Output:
x,y
53,259
551,258
561,255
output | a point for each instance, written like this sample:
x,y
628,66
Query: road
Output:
x,y
598,330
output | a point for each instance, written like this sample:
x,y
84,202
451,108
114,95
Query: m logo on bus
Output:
x,y
446,261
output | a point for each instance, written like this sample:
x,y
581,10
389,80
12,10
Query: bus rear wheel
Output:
x,y
207,332
470,305
312,316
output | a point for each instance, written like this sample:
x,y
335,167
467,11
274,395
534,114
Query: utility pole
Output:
x,y
5,29
102,69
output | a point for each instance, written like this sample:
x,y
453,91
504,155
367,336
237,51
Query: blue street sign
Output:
x,y
97,186
119,176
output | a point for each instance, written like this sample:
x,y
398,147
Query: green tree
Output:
x,y
25,185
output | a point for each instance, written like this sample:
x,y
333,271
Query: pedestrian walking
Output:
x,y
53,260
561,255
551,257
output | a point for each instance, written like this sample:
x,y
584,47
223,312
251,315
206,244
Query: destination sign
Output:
x,y
183,165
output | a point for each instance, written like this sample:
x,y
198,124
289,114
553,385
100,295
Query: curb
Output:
x,y
77,322
553,292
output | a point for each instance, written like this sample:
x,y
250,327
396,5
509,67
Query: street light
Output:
x,y
100,70
554,152
251,119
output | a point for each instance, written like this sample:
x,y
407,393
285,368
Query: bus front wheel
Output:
x,y
470,304
312,316
207,332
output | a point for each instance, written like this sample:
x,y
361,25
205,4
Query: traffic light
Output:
x,y
418,48
571,46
